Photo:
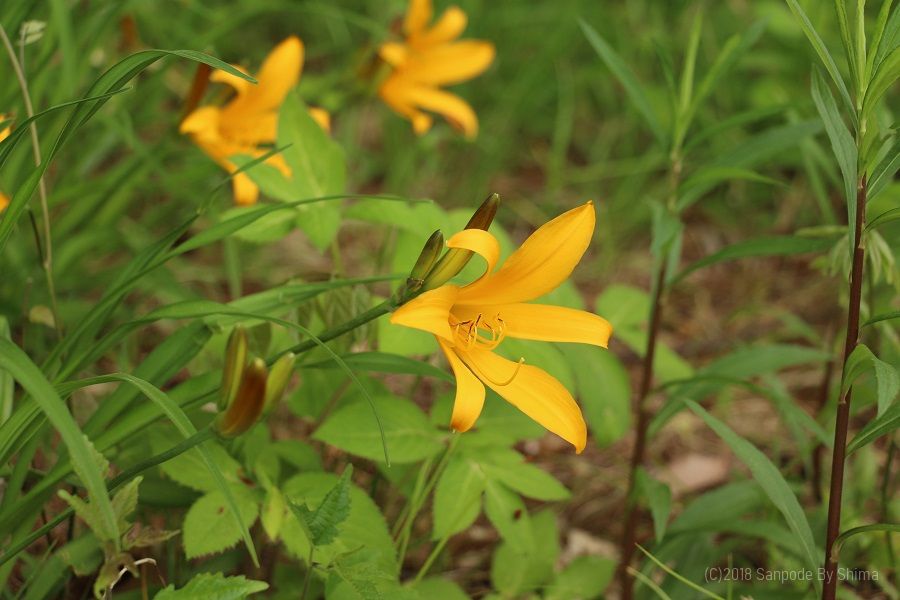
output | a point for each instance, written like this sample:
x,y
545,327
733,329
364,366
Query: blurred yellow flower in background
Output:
x,y
428,59
470,322
248,123
4,133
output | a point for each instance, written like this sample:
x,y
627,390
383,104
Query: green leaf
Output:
x,y
659,498
824,55
7,383
842,143
626,77
365,527
507,513
888,216
124,503
80,450
213,586
788,245
862,361
317,169
604,391
527,480
406,429
515,570
206,531
706,178
384,362
457,497
888,422
773,484
113,80
584,578
883,173
438,588
322,524
190,468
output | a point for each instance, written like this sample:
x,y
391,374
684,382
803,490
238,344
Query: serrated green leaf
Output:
x,y
213,586
124,503
322,523
507,513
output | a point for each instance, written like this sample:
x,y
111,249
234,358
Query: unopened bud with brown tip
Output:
x,y
247,405
454,260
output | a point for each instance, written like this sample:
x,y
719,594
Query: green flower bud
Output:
x,y
235,361
279,377
454,260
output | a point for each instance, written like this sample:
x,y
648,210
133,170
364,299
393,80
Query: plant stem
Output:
x,y
309,571
842,422
47,251
629,531
418,500
329,334
115,483
435,552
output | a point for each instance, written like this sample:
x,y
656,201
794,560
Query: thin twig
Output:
x,y
47,254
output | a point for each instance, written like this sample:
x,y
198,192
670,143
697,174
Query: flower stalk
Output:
x,y
639,450
842,423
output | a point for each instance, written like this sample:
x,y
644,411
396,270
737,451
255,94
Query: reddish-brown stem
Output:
x,y
842,423
629,533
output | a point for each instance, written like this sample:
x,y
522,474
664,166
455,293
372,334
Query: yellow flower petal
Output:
x,y
448,27
240,85
4,201
533,391
452,108
543,322
541,263
469,392
393,53
204,120
245,191
279,73
481,243
321,116
447,64
417,17
429,312
393,92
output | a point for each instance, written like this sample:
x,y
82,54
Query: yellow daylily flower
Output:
x,y
471,321
4,133
249,122
428,59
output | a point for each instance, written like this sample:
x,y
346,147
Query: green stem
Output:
x,y
309,571
417,500
115,483
431,558
329,334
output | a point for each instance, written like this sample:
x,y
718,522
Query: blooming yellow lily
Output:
x,y
4,133
471,321
428,59
249,122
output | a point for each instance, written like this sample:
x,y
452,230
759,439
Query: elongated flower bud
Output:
x,y
279,377
454,260
247,404
235,361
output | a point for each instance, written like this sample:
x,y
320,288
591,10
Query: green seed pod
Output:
x,y
279,377
429,255
454,260
235,362
247,405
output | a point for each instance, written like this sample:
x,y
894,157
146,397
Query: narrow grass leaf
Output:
x,y
773,484
82,454
626,77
